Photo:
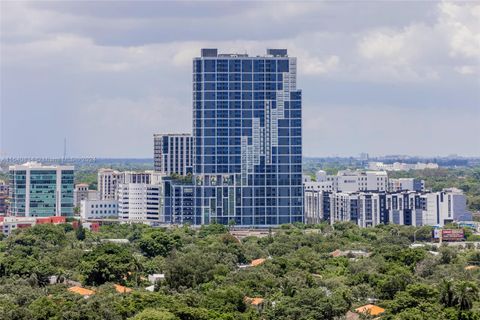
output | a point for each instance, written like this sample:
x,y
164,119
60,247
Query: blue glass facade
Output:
x,y
247,139
41,191
178,202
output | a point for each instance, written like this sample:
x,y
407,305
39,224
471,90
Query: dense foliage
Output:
x,y
299,279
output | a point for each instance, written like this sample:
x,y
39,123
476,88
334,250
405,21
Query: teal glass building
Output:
x,y
247,139
41,191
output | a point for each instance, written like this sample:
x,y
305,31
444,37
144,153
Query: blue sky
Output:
x,y
378,77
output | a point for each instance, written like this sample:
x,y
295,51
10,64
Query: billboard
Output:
x,y
453,235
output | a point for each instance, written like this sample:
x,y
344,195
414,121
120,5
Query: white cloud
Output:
x,y
461,25
315,66
119,83
466,70
129,122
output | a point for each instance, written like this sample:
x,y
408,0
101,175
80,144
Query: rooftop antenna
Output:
x,y
64,149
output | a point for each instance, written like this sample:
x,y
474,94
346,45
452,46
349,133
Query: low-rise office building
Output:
x,y
10,224
98,209
368,209
38,190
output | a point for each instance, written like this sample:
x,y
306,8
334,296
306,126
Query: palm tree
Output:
x,y
466,293
447,294
137,269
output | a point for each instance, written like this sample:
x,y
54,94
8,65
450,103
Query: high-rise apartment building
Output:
x,y
140,197
247,138
107,183
41,191
173,153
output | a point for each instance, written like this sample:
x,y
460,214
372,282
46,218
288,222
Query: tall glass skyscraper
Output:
x,y
247,130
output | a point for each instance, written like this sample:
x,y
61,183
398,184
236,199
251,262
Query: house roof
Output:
x,y
472,267
370,309
254,301
121,289
257,262
81,291
336,253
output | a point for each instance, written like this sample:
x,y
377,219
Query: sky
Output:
x,y
381,77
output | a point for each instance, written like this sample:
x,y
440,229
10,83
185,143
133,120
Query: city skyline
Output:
x,y
117,75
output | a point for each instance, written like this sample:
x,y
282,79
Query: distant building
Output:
x,y
140,197
179,202
10,224
348,181
3,198
173,153
448,205
99,209
352,181
402,184
83,193
368,209
38,190
401,166
107,183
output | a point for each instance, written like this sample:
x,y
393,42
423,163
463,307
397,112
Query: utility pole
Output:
x,y
64,149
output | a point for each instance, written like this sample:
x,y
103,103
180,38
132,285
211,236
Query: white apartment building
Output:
x,y
109,180
348,181
448,205
98,209
140,197
342,206
369,209
352,181
107,183
173,153
402,184
313,205
140,202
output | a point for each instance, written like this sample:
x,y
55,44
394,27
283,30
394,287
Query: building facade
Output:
x,y
107,183
98,209
368,209
178,202
3,198
402,184
82,192
247,138
41,191
140,197
173,153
